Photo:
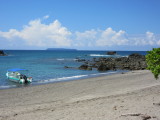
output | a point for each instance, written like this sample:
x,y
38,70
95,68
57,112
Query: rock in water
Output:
x,y
111,53
2,53
85,67
102,67
136,56
132,62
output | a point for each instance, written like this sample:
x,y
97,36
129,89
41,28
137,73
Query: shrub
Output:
x,y
153,61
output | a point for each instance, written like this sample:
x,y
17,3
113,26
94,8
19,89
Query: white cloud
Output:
x,y
9,35
148,38
87,35
110,37
86,38
151,38
46,17
150,35
98,37
39,34
158,43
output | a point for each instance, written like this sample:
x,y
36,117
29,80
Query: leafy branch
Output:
x,y
153,61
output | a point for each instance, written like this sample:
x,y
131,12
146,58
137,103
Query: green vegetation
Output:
x,y
153,61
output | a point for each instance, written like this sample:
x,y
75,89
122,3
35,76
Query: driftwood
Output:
x,y
143,116
158,104
137,114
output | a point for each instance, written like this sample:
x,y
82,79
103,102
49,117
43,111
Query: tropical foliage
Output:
x,y
153,61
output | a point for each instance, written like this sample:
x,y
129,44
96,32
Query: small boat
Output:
x,y
16,76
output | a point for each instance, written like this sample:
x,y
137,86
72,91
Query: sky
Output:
x,y
80,24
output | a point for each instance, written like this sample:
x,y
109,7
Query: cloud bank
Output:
x,y
38,34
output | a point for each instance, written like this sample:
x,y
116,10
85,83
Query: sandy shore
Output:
x,y
131,96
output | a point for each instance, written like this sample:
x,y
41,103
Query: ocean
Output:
x,y
47,66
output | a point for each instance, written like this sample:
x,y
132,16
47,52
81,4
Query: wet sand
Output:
x,y
131,96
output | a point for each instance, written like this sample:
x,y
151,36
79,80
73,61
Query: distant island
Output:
x,y
61,49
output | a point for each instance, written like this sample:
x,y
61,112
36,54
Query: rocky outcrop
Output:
x,y
85,67
103,67
111,53
80,60
2,53
132,62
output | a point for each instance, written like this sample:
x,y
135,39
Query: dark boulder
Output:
x,y
111,66
80,60
102,67
143,65
111,52
67,67
85,67
136,56
2,53
89,68
132,62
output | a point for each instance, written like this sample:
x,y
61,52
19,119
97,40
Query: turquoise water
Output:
x,y
48,66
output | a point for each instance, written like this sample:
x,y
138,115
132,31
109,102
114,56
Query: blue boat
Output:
x,y
16,76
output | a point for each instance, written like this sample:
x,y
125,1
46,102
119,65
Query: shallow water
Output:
x,y
48,66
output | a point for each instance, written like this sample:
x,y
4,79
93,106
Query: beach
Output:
x,y
133,95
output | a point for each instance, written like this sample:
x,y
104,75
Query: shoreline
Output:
x,y
113,97
63,79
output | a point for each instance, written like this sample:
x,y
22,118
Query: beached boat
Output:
x,y
16,76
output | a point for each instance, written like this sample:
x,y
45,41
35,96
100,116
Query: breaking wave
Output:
x,y
99,55
74,77
7,86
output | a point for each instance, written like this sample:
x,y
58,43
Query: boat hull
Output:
x,y
16,78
